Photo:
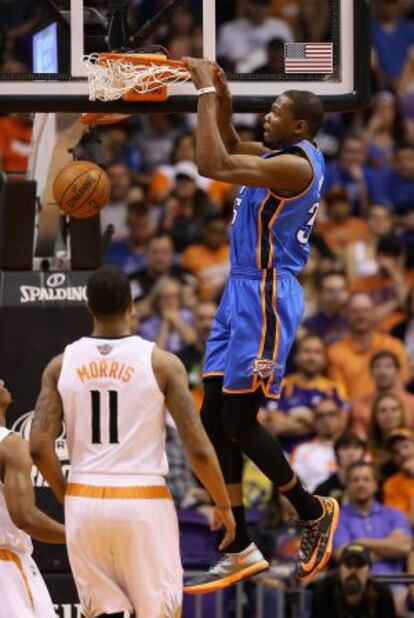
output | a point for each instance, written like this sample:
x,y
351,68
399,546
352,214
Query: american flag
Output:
x,y
308,57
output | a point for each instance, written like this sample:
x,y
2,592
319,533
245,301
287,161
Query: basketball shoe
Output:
x,y
231,569
316,540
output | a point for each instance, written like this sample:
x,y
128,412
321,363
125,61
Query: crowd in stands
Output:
x,y
346,412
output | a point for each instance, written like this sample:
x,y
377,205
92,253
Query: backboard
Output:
x,y
327,51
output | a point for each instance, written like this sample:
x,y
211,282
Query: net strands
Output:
x,y
115,76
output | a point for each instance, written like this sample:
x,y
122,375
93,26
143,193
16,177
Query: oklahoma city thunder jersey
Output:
x,y
262,305
270,231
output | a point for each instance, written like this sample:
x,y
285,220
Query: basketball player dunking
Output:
x,y
111,389
262,305
23,591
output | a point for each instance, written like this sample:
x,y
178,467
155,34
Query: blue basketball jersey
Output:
x,y
271,231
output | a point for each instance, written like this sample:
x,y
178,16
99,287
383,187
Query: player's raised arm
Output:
x,y
224,113
19,493
287,175
173,381
46,427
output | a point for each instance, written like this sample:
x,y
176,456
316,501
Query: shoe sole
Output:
x,y
220,584
328,553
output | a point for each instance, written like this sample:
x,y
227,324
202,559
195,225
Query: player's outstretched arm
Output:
x,y
173,382
46,427
19,493
286,174
224,114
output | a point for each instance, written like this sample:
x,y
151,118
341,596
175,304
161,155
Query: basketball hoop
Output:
x,y
132,77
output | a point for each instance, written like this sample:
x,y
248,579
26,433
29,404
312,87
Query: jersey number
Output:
x,y
303,234
96,417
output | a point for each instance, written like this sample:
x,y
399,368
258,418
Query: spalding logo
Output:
x,y
22,426
55,280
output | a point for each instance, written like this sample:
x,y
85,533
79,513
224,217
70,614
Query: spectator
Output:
x,y
163,178
170,324
381,530
399,180
392,38
15,137
293,419
385,373
388,287
242,41
115,212
351,173
192,355
180,479
329,322
314,21
399,488
154,140
186,209
314,461
159,262
348,449
350,591
275,62
209,260
341,228
388,414
385,129
349,359
361,256
129,254
404,330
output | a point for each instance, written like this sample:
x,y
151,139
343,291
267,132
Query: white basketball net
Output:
x,y
111,79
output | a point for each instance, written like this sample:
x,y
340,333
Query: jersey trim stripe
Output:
x,y
151,492
267,214
10,556
306,189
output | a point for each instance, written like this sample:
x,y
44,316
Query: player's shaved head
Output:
x,y
307,106
108,292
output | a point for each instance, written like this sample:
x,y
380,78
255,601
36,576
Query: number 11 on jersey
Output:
x,y
96,399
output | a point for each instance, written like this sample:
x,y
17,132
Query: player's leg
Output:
x,y
281,311
90,556
260,339
229,455
243,558
146,554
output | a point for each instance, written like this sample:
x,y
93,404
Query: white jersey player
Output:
x,y
111,390
23,593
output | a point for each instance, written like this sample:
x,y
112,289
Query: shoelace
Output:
x,y
216,567
306,531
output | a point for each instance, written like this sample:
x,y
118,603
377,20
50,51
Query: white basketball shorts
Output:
x,y
23,592
123,545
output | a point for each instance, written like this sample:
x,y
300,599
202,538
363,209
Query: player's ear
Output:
x,y
301,127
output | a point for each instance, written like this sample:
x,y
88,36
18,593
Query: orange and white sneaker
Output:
x,y
316,540
231,569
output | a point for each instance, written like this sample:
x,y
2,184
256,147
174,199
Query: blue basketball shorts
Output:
x,y
253,330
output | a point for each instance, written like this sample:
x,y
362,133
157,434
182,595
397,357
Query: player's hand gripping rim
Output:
x,y
223,516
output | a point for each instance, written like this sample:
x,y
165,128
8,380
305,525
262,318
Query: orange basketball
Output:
x,y
81,189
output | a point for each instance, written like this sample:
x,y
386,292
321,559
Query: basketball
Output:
x,y
81,189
